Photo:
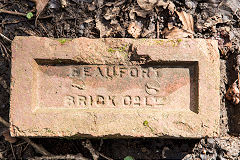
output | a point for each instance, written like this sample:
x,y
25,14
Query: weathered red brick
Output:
x,y
115,87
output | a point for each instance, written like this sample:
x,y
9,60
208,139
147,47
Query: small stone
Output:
x,y
81,26
54,4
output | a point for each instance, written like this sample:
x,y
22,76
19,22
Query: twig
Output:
x,y
100,145
238,81
237,69
18,21
20,144
77,157
87,144
25,147
45,30
105,156
13,151
95,154
40,149
6,38
12,12
5,123
157,28
46,17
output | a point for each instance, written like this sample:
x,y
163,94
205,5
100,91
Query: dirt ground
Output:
x,y
212,19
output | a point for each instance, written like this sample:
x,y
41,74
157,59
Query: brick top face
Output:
x,y
115,87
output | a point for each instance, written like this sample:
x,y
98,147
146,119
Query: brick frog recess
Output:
x,y
114,87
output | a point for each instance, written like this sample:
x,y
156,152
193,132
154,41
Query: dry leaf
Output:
x,y
176,33
148,5
135,29
187,21
8,137
224,42
233,93
166,4
210,22
187,29
40,5
139,12
104,30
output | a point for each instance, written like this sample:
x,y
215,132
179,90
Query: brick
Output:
x,y
115,87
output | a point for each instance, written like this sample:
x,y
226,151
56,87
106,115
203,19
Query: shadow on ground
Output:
x,y
149,148
5,73
233,111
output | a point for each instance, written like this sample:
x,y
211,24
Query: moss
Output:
x,y
179,40
143,39
145,123
123,50
48,130
119,49
111,50
63,41
174,42
160,42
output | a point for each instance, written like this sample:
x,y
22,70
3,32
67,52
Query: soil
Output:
x,y
214,19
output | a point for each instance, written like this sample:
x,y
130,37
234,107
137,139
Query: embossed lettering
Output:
x,y
84,79
69,101
149,101
123,71
152,87
137,101
127,100
158,72
145,72
100,99
111,71
134,72
87,71
81,100
112,99
158,100
100,71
